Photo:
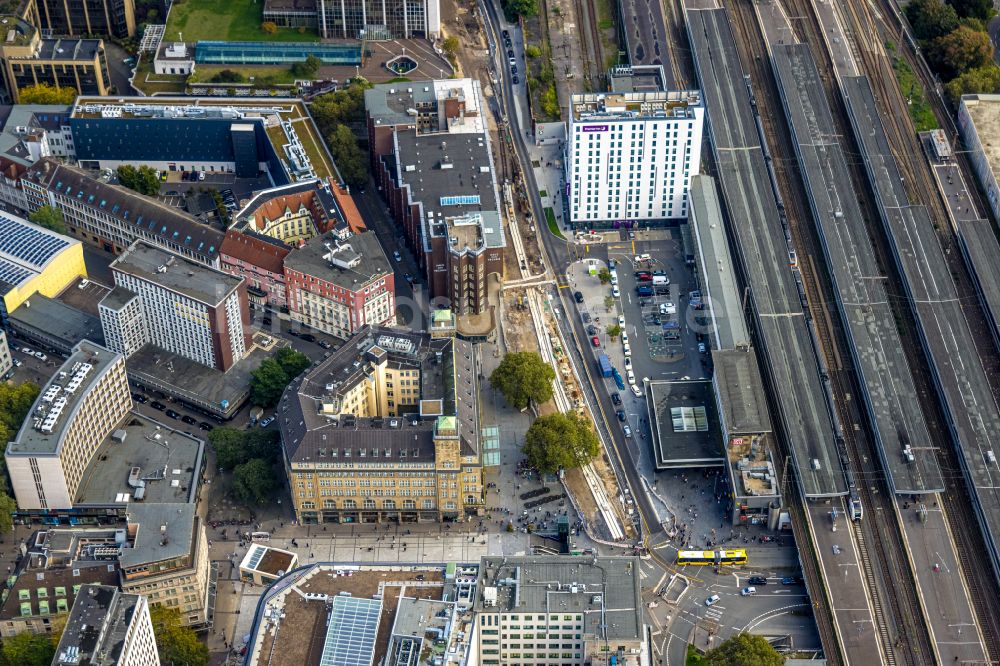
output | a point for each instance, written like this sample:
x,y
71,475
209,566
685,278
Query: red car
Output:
x,y
596,341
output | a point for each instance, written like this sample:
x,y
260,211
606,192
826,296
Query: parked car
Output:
x,y
578,296
397,256
308,337
266,422
324,344
702,348
789,580
591,330
627,430
41,357
615,291
516,80
616,398
586,317
621,320
620,414
172,414
205,425
158,406
17,363
189,419
757,580
712,600
636,390
140,398
596,341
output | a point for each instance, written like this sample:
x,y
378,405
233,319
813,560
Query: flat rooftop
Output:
x,y
634,106
784,339
352,263
178,274
686,428
302,628
97,627
192,381
56,319
741,392
59,399
639,78
68,48
887,382
604,589
267,560
721,293
984,111
165,532
392,103
450,175
165,463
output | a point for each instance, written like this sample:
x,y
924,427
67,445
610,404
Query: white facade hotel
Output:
x,y
630,156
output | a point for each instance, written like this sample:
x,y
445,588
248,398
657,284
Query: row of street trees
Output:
x,y
334,114
553,442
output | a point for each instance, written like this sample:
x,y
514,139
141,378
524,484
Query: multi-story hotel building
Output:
x,y
554,611
630,156
108,628
179,305
432,160
76,410
339,283
386,428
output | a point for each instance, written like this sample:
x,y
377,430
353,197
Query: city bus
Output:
x,y
711,557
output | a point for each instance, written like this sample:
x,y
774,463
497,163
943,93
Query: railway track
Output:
x,y
956,502
593,64
899,620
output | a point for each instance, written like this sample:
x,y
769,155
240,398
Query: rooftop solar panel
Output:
x,y
27,243
350,635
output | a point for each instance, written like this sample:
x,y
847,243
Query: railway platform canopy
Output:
x,y
788,356
889,392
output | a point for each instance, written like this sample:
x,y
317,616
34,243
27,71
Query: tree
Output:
x,y
307,68
450,45
144,179
931,19
604,276
50,218
515,8
560,441
15,403
267,383
227,76
229,445
523,377
609,302
532,51
28,649
960,50
744,650
175,643
291,361
614,330
980,9
269,27
43,93
262,443
984,79
253,481
348,157
7,508
346,105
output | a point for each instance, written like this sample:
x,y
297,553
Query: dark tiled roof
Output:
x,y
132,209
102,573
256,250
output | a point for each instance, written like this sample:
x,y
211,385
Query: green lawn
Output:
x,y
694,657
276,73
225,20
920,109
550,218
